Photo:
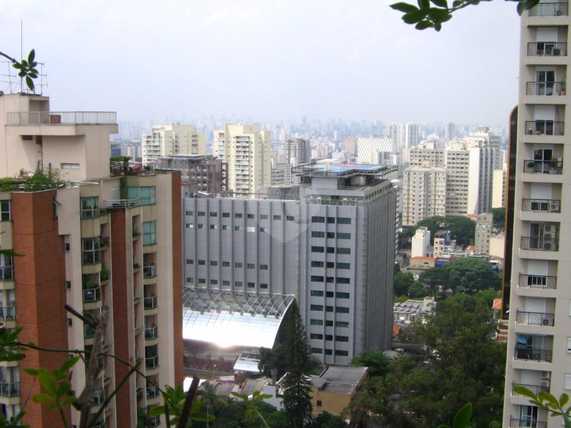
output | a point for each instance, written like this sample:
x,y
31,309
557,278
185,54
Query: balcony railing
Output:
x,y
152,362
540,244
150,302
550,9
544,127
10,389
547,49
535,318
8,313
532,166
149,271
152,392
537,281
61,118
536,389
91,295
87,213
6,273
151,333
546,89
533,354
527,423
542,205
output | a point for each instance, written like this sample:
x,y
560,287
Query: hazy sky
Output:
x,y
269,59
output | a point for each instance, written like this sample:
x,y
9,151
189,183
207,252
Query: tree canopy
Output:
x,y
469,274
461,228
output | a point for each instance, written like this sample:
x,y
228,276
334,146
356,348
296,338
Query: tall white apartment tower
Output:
x,y
174,139
539,339
248,152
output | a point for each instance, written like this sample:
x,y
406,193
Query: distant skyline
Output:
x,y
270,61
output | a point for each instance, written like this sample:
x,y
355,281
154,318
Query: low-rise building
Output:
x,y
405,313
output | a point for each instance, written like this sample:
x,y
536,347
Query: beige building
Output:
x,y
539,342
102,242
423,194
499,188
173,139
421,243
248,153
483,234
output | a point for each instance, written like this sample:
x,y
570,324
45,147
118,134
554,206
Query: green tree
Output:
x,y
556,407
402,283
376,361
499,215
433,13
462,229
469,274
327,420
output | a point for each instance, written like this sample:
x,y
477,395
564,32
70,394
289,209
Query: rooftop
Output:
x,y
328,169
340,380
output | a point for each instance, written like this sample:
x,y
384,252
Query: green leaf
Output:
x,y
563,399
441,3
30,83
424,4
31,56
422,25
463,417
404,7
413,17
42,398
522,390
69,363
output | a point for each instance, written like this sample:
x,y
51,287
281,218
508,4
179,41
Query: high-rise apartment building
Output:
x,y
218,144
377,151
201,173
427,154
539,340
104,243
332,247
248,154
483,233
173,139
423,194
499,188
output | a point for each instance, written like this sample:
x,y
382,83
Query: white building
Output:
x,y
409,311
484,227
218,143
173,139
423,195
421,243
377,151
499,188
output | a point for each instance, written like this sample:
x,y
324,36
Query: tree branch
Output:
x,y
185,414
7,57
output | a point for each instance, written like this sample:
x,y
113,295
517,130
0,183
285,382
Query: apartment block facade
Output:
x,y
105,245
173,139
424,194
539,340
200,173
332,248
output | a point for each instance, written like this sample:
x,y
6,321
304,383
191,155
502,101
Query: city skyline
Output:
x,y
282,62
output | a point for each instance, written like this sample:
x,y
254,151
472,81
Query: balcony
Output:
x,y
526,423
27,118
536,389
8,313
533,354
535,318
547,49
550,9
150,302
545,89
152,362
539,244
91,295
544,127
149,271
541,205
537,281
10,389
6,273
151,333
153,392
543,167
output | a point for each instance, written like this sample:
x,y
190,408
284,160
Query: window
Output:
x,y
342,324
91,251
262,229
316,351
341,309
343,250
329,309
226,264
263,216
251,285
6,272
342,338
150,232
236,227
251,216
330,250
329,323
316,278
238,264
5,210
263,267
189,279
188,212
328,352
316,336
313,321
189,261
329,294
225,215
567,381
214,281
342,280
317,219
328,337
200,226
342,295
224,227
277,217
316,293
263,286
341,353
145,195
330,279
330,264
251,266
201,280
89,207
317,249
290,218
225,283
213,263
344,220
213,214
238,284
330,235
189,226
331,220
343,236
238,215
202,262
343,265
316,308
319,403
213,226
317,234
316,264
201,214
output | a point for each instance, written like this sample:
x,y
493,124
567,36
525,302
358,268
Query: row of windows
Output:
x,y
338,352
340,265
330,279
338,294
5,211
226,283
331,220
240,215
330,250
337,309
329,337
227,264
331,235
249,229
329,323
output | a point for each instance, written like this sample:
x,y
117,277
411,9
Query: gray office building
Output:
x,y
331,246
